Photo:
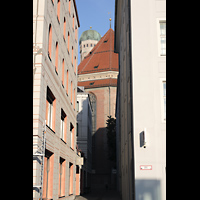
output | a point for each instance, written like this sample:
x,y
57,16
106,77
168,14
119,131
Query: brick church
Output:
x,y
97,73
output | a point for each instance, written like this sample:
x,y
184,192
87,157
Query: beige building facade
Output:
x,y
55,54
140,40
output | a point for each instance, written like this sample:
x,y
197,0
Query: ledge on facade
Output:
x,y
61,197
63,141
50,129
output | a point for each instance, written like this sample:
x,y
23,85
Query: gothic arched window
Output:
x,y
93,103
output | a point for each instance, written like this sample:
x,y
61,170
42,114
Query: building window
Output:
x,y
50,41
50,109
71,178
75,64
72,135
87,45
93,105
74,98
64,28
77,106
48,175
69,6
58,11
63,123
63,72
77,127
163,38
76,32
56,61
83,46
77,179
164,98
67,85
68,41
73,22
91,45
72,55
62,166
71,91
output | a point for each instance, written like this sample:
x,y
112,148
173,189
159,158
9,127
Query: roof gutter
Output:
x,y
76,12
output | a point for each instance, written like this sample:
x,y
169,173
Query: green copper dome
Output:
x,y
89,35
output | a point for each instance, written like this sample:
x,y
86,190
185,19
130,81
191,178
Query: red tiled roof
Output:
x,y
98,83
101,57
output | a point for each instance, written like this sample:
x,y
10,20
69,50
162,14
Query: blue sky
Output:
x,y
95,13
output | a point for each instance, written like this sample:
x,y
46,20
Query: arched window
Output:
x,y
58,11
68,41
71,92
69,6
76,33
63,71
74,98
50,41
93,101
56,60
67,85
72,55
75,65
73,22
64,28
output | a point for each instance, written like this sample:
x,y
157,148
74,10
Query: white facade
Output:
x,y
141,44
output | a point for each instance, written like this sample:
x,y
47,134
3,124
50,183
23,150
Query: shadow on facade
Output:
x,y
102,177
147,189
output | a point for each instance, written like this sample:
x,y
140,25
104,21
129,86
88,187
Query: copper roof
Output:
x,y
101,57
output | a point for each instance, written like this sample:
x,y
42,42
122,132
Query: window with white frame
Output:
x,y
50,114
71,135
49,108
62,122
162,38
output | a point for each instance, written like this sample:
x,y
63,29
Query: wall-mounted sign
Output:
x,y
145,167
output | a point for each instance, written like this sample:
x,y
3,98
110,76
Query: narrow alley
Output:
x,y
100,195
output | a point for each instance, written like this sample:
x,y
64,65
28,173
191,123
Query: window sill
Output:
x,y
61,197
56,70
63,140
71,149
50,129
